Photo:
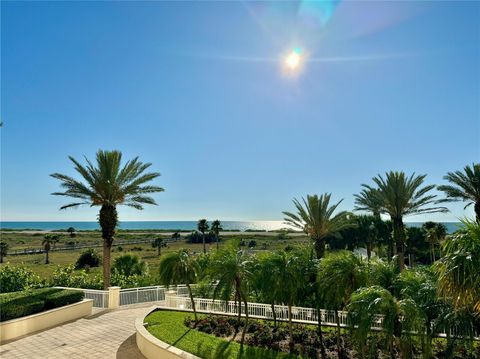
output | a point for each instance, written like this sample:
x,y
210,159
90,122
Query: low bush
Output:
x,y
129,265
88,259
69,277
14,279
20,304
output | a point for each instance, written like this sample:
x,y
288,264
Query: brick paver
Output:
x,y
108,334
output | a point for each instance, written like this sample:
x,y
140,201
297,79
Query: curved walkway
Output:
x,y
106,334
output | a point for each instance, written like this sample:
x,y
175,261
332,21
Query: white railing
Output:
x,y
264,311
100,297
142,295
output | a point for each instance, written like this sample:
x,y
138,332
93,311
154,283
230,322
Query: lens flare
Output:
x,y
293,59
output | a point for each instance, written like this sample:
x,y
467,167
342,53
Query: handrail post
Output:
x,y
113,297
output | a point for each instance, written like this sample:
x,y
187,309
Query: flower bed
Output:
x,y
20,304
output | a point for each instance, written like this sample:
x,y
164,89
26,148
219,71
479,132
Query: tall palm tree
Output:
x,y
399,195
458,268
180,268
339,275
434,232
315,217
47,243
465,186
232,268
216,228
108,185
158,243
202,227
3,250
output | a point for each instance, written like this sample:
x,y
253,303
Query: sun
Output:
x,y
293,59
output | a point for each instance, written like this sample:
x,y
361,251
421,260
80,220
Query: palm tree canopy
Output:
x,y
398,195
178,268
465,186
108,183
315,216
202,225
458,268
216,226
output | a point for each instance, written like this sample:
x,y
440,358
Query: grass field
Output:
x,y
169,327
36,262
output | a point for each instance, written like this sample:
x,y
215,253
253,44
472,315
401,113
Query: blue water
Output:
x,y
172,225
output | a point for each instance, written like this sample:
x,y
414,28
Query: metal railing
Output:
x,y
150,294
100,297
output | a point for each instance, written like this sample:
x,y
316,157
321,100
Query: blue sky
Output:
x,y
198,90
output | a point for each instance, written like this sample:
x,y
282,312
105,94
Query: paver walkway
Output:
x,y
108,334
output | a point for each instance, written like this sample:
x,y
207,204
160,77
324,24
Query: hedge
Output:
x,y
19,304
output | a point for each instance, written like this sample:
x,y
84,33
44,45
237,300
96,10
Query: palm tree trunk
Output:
x,y
47,261
477,210
1,257
369,250
108,219
290,326
323,354
246,319
216,237
203,240
399,237
339,344
274,314
159,250
319,247
192,301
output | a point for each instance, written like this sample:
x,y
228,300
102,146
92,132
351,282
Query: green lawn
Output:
x,y
168,326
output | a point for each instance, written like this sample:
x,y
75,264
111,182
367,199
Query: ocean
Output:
x,y
171,225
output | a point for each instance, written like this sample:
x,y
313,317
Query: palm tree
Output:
x,y
339,275
465,186
108,185
47,243
398,196
399,316
3,250
232,268
216,228
458,268
71,231
176,236
158,243
434,232
288,284
180,268
202,227
315,217
129,265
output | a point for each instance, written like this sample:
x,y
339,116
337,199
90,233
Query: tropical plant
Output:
x,y
129,264
202,227
315,217
88,259
339,275
435,233
464,186
231,268
216,228
71,232
180,268
457,270
14,279
399,195
158,243
108,185
400,318
176,236
3,250
48,241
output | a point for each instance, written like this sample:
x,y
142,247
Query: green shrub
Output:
x,y
62,298
69,277
88,259
14,279
128,265
20,304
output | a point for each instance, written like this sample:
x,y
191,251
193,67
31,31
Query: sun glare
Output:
x,y
293,59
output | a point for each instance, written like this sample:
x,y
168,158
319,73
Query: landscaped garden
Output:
x,y
20,304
